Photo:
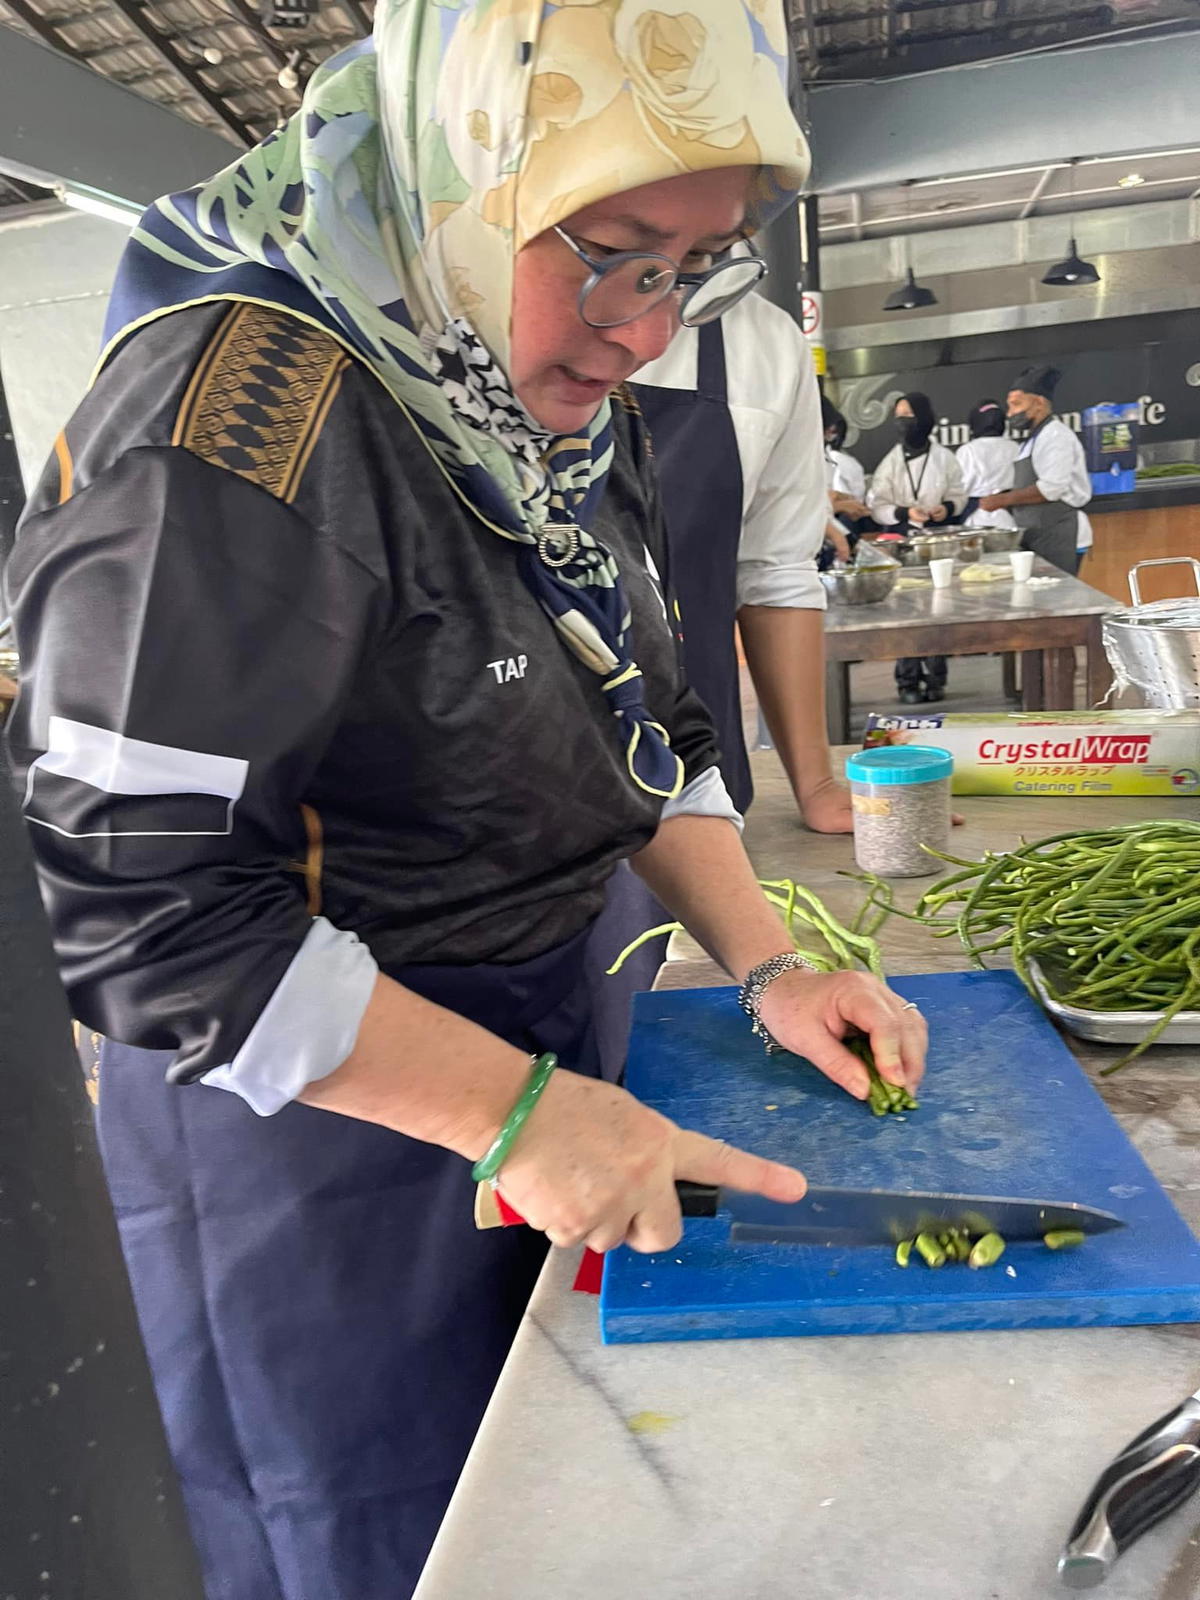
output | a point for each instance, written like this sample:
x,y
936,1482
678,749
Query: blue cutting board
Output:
x,y
1005,1109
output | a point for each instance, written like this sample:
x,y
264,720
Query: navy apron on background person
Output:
x,y
324,1322
700,474
700,478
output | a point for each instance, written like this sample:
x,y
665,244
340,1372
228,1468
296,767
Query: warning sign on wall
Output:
x,y
812,321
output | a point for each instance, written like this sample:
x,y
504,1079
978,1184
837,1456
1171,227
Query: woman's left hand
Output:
x,y
826,807
938,513
810,1013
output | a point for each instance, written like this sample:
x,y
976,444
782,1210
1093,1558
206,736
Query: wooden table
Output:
x,y
901,1467
1044,624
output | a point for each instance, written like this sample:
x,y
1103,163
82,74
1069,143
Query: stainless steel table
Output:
x,y
905,1467
1044,624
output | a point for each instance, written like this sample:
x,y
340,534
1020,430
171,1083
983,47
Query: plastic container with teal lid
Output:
x,y
901,800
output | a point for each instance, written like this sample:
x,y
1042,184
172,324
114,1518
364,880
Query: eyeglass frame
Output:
x,y
688,281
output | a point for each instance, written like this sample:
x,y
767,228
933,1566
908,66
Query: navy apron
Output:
x,y
324,1323
700,478
700,475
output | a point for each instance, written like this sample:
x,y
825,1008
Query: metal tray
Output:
x,y
1115,1027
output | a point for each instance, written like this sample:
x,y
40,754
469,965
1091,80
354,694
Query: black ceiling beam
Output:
x,y
807,24
357,13
45,31
26,193
249,18
166,47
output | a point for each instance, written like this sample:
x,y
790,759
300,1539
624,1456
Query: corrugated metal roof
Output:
x,y
217,63
840,39
212,61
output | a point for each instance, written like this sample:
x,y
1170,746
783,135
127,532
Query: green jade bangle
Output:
x,y
486,1168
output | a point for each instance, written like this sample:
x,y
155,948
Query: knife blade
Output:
x,y
883,1216
1152,1476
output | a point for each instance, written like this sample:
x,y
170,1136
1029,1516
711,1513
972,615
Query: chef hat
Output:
x,y
1038,380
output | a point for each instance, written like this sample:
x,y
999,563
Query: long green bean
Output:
x,y
1110,917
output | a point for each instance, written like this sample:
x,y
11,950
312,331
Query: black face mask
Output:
x,y
1018,421
909,430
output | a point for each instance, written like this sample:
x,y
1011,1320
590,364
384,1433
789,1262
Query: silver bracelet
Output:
x,y
757,980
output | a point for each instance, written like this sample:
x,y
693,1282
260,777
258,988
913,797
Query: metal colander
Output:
x,y
1155,649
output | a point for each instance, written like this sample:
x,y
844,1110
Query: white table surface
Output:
x,y
901,1467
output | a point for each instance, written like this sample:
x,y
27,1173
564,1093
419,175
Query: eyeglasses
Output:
x,y
622,287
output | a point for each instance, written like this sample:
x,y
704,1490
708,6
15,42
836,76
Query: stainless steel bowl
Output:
x,y
998,540
859,586
919,549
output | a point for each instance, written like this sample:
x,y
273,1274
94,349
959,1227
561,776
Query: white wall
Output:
x,y
55,274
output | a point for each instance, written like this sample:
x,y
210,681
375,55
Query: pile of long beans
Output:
x,y
1111,917
840,949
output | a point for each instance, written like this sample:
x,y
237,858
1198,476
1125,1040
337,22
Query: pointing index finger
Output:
x,y
705,1160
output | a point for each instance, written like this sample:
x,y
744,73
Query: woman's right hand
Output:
x,y
594,1166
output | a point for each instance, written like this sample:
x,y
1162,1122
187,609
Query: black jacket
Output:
x,y
293,673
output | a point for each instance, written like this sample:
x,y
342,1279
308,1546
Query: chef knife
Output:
x,y
856,1216
1153,1476
883,1216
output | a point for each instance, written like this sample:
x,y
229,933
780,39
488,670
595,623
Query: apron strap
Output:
x,y
710,362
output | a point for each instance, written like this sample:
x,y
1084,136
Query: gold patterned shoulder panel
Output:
x,y
259,396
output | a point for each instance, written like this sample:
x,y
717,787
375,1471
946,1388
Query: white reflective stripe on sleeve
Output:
x,y
705,796
118,765
308,1026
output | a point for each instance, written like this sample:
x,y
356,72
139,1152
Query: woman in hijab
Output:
x,y
347,680
845,472
918,482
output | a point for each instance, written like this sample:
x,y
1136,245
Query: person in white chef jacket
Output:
x,y
1051,479
845,472
986,462
917,484
735,421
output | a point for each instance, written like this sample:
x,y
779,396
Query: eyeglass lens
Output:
x,y
628,290
712,298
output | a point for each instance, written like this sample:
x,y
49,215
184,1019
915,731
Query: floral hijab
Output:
x,y
390,208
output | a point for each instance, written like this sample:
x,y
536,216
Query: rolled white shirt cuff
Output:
x,y
705,796
1055,492
308,1026
797,587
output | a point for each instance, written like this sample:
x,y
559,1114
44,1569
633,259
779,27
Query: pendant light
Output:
x,y
1073,270
910,295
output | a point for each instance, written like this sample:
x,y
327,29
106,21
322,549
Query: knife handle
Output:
x,y
698,1199
1152,1476
695,1200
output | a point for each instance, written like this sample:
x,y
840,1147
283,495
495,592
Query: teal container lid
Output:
x,y
900,763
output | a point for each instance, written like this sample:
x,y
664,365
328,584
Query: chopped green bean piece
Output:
x,y
930,1250
987,1251
903,1251
1063,1238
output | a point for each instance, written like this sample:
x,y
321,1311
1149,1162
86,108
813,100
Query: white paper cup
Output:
x,y
941,571
1022,565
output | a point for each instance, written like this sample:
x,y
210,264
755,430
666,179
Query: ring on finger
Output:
x,y
911,1005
